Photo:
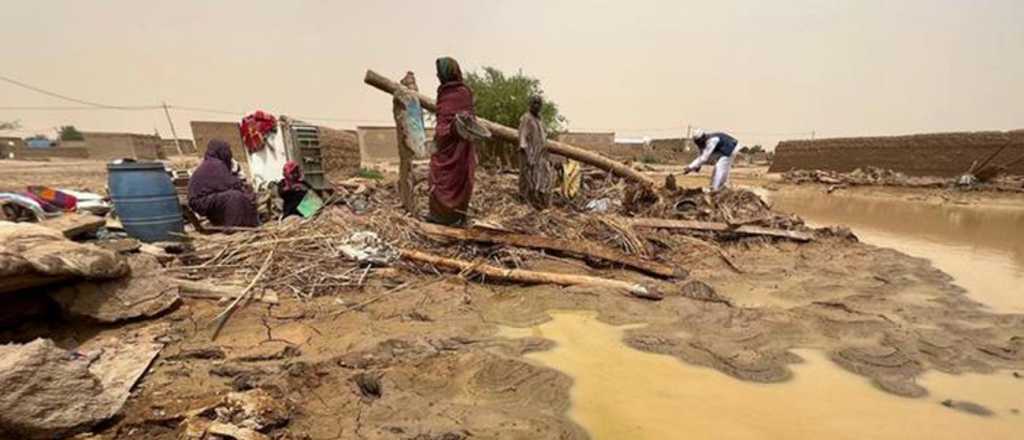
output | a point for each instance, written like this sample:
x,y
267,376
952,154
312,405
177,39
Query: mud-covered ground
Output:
x,y
431,341
444,373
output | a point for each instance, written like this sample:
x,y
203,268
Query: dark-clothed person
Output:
x,y
453,165
218,194
292,189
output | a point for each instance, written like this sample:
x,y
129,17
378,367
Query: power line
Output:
x,y
98,106
76,100
56,107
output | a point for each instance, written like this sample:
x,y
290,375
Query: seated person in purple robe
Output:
x,y
218,194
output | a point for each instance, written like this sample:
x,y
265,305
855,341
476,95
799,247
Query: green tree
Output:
x,y
503,99
9,125
70,133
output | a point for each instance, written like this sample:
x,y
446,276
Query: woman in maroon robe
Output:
x,y
218,194
453,165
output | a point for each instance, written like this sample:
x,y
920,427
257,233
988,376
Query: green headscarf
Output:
x,y
448,70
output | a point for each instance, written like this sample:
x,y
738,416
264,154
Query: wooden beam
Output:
x,y
658,223
507,134
529,276
574,248
204,290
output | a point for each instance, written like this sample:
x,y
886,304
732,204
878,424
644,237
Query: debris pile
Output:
x,y
248,415
859,176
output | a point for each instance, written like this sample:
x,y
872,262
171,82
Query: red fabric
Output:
x,y
255,128
453,165
51,199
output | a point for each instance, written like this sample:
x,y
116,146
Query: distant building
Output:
x,y
112,145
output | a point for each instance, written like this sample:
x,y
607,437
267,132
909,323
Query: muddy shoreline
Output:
x,y
446,374
432,343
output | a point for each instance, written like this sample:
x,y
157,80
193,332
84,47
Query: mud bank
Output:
x,y
445,372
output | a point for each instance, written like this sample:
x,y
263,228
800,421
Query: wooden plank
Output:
x,y
74,225
203,290
529,276
659,223
574,248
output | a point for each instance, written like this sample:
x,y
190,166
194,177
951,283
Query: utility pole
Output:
x,y
688,129
813,132
173,133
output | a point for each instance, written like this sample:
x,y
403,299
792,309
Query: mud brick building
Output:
x,y
937,154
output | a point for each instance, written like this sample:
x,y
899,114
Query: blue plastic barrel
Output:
x,y
145,200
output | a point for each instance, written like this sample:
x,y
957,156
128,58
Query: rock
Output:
x,y
120,245
968,407
701,291
232,431
369,385
33,255
841,232
670,183
49,392
254,410
144,294
207,353
268,351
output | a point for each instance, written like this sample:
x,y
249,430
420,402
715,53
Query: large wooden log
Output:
x,y
511,135
575,248
529,276
660,223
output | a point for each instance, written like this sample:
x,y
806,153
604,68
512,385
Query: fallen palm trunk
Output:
x,y
580,248
510,135
659,223
529,276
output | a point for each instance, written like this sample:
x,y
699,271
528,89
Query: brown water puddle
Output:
x,y
623,393
982,248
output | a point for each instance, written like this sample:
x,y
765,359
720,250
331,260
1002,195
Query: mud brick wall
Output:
x,y
205,131
168,149
110,146
672,150
55,152
380,144
939,154
10,145
601,142
340,149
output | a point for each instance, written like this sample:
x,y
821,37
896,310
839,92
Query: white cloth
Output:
x,y
709,148
721,175
267,164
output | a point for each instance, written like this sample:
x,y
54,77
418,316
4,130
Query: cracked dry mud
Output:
x,y
437,369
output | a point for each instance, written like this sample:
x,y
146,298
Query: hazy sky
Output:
x,y
763,69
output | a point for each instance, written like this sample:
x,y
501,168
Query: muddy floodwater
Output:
x,y
619,392
981,247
